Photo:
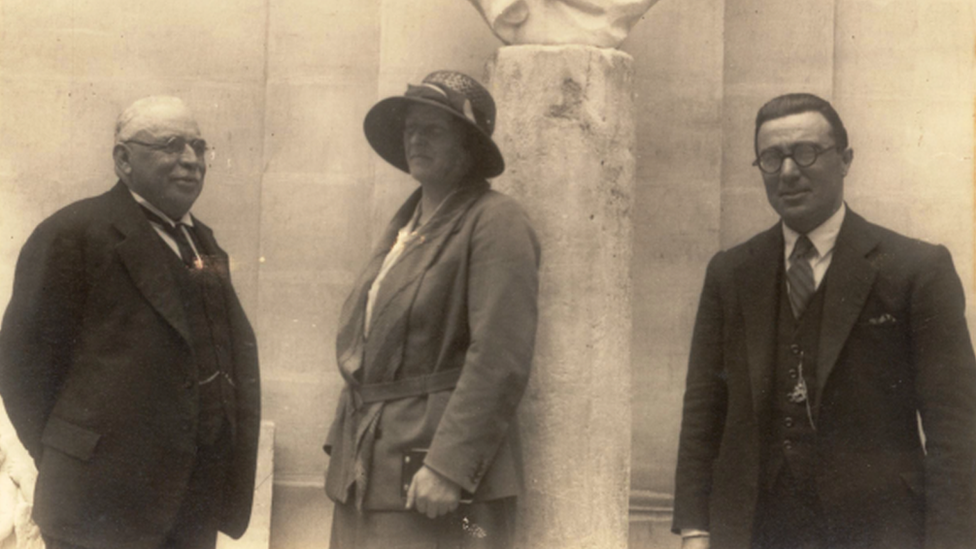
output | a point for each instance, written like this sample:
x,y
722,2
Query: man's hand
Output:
x,y
698,542
432,494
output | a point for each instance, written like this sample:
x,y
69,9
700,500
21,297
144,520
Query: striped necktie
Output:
x,y
177,233
800,275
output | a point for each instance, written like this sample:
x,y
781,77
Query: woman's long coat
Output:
x,y
461,297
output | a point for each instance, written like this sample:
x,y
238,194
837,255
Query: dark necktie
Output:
x,y
800,275
176,233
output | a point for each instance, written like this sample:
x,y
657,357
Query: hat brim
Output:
x,y
384,130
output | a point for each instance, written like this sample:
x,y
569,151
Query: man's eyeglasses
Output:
x,y
804,154
175,145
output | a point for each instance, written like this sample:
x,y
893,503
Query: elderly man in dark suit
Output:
x,y
831,389
127,364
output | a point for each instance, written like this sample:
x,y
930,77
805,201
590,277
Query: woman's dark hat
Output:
x,y
454,92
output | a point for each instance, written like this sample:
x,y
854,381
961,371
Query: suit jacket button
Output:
x,y
788,422
795,349
787,445
793,373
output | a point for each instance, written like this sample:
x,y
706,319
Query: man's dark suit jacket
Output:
x,y
98,377
894,343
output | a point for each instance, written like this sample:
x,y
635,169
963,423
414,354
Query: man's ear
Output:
x,y
123,166
846,158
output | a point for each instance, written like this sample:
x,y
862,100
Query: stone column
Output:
x,y
566,127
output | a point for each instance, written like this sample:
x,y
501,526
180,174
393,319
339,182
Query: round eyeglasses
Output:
x,y
770,161
175,145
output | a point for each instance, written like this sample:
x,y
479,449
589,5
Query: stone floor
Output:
x,y
652,534
301,518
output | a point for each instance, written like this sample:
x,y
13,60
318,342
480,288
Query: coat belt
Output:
x,y
403,388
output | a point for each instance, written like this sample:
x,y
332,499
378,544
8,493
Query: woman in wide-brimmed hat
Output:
x,y
436,339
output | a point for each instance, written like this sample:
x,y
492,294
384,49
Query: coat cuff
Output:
x,y
468,480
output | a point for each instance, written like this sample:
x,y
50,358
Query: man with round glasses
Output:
x,y
830,390
127,365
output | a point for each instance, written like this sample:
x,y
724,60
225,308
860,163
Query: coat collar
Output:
x,y
420,252
416,258
444,218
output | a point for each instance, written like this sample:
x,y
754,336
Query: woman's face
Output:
x,y
433,142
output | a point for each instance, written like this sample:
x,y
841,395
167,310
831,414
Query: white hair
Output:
x,y
132,118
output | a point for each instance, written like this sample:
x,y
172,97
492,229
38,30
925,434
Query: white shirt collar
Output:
x,y
187,219
823,238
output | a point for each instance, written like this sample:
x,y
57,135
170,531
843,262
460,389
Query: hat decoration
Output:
x,y
453,92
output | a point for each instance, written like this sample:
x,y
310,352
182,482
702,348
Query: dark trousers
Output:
x,y
789,515
198,519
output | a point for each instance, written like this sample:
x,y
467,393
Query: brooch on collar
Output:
x,y
883,319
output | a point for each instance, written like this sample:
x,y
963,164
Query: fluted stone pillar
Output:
x,y
566,128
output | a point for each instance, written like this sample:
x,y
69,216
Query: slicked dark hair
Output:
x,y
796,103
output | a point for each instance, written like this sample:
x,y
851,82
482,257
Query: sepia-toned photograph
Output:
x,y
488,274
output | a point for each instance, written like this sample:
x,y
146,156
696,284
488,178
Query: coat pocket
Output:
x,y
69,438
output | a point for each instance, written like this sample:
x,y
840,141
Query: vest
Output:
x,y
793,440
203,299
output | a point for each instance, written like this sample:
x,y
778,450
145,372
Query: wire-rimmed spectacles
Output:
x,y
770,161
175,145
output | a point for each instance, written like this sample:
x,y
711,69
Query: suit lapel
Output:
x,y
349,340
399,288
757,280
139,253
424,248
849,282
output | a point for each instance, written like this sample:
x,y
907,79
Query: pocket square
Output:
x,y
883,319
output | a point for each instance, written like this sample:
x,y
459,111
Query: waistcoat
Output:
x,y
202,295
793,439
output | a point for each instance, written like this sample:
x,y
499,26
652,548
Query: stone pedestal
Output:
x,y
566,127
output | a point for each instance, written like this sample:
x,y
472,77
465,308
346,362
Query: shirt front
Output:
x,y
823,238
186,220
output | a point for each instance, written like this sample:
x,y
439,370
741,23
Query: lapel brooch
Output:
x,y
883,319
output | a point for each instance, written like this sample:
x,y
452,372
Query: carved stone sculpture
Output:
x,y
17,476
602,23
